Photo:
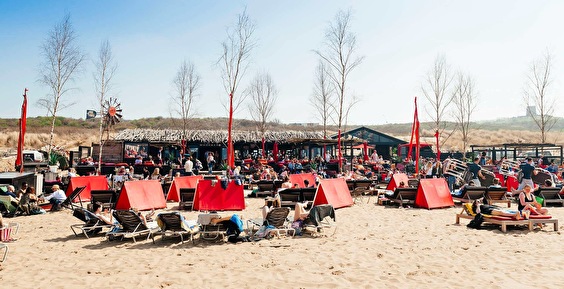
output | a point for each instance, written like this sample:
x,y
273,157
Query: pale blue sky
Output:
x,y
493,41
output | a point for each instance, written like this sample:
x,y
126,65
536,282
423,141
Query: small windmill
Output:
x,y
111,113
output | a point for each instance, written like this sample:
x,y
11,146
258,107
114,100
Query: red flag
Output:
x,y
365,150
275,151
339,155
438,148
263,149
415,134
21,138
230,150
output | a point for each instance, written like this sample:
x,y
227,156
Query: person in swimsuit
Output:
x,y
528,201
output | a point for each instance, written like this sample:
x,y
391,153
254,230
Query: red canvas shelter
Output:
x,y
511,183
433,193
334,192
188,182
299,179
143,195
211,197
395,181
90,183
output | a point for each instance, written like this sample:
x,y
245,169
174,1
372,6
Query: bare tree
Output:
x,y
339,55
63,59
536,92
263,95
105,71
186,85
234,59
323,97
465,101
435,88
236,50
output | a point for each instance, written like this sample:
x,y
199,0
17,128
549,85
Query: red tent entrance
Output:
x,y
334,192
188,182
433,193
142,195
211,197
90,183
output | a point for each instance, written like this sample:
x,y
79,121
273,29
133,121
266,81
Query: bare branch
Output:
x,y
263,95
536,95
186,85
236,51
435,88
339,55
63,59
465,101
323,97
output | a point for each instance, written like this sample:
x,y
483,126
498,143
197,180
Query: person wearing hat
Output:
x,y
56,198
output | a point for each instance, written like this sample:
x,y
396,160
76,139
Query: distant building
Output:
x,y
304,124
531,110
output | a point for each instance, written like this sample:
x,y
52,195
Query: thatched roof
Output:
x,y
212,136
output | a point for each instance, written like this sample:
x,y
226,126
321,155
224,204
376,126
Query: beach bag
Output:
x,y
540,200
476,223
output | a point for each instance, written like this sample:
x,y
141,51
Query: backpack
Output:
x,y
476,223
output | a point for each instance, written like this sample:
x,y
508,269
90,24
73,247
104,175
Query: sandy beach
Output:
x,y
374,247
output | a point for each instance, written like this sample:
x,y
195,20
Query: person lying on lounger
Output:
x,y
479,207
105,215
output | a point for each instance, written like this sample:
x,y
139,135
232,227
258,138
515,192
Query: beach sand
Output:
x,y
374,247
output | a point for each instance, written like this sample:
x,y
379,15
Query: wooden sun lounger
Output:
x,y
404,196
551,196
464,214
502,223
471,194
497,195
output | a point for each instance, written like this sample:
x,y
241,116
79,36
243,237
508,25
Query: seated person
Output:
x,y
266,208
28,201
286,184
478,207
528,201
307,185
10,192
234,226
104,215
300,211
460,193
56,198
495,183
147,218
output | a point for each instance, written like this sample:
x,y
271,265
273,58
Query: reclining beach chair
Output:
x,y
108,198
10,205
132,226
471,194
497,195
69,202
404,196
92,224
276,222
186,198
289,197
321,218
308,194
503,221
551,196
173,224
208,231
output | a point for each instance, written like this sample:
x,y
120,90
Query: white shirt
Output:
x,y
188,166
57,195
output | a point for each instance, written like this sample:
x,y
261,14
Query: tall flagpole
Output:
x,y
21,137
